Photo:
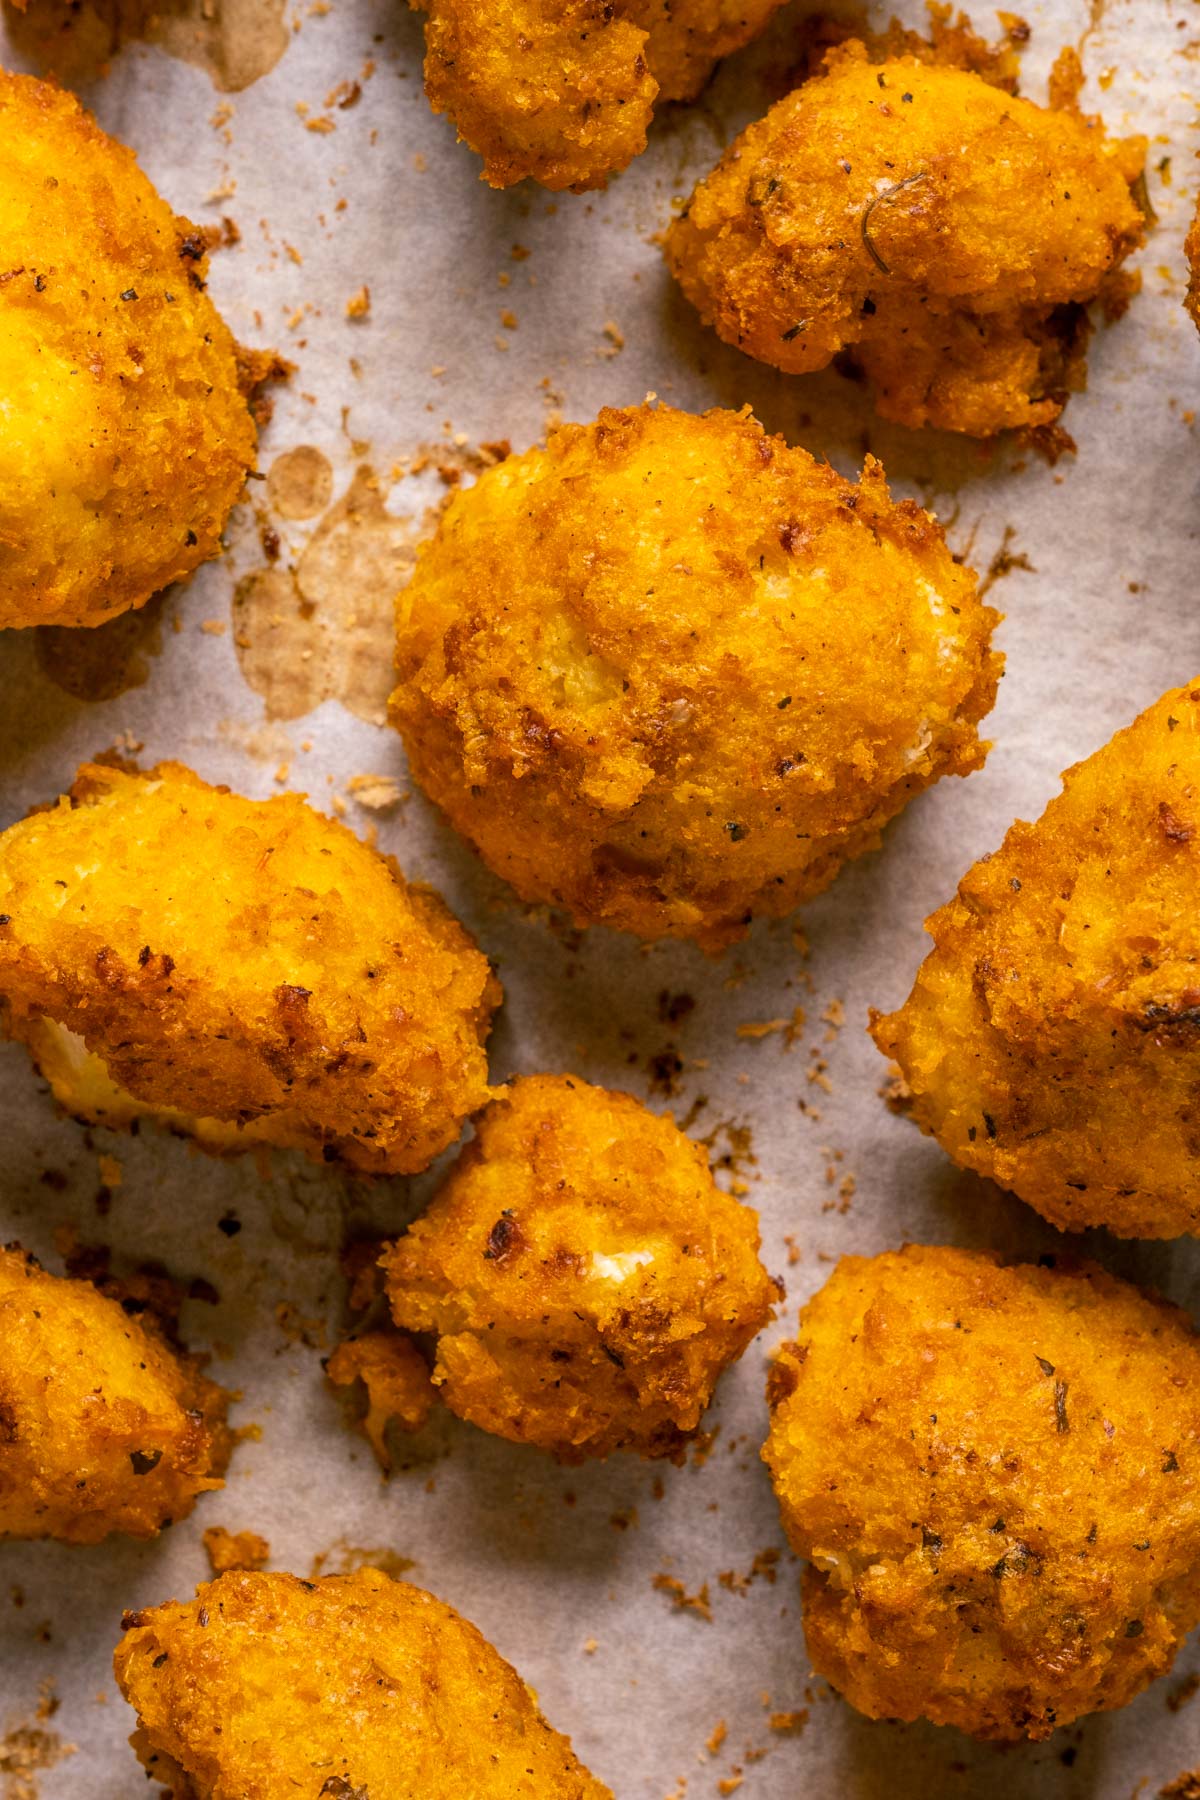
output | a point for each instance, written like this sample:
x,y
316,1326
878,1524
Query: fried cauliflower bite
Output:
x,y
587,1280
564,93
124,436
350,1686
670,674
1052,1037
1192,252
104,1426
995,1475
244,970
942,231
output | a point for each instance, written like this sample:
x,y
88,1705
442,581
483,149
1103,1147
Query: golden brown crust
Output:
x,y
246,970
397,1382
1052,1037
942,231
563,93
126,438
351,1685
995,1474
587,1280
708,670
104,1426
1191,250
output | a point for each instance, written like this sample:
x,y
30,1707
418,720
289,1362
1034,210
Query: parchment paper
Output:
x,y
557,1566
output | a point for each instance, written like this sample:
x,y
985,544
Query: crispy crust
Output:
x,y
995,1474
127,438
587,1280
707,671
104,1426
246,970
563,93
350,1686
1052,1037
943,232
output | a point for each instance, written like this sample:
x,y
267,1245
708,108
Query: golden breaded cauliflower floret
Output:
x,y
669,673
103,1425
995,1475
943,231
246,970
126,438
347,1687
587,1280
1052,1037
564,93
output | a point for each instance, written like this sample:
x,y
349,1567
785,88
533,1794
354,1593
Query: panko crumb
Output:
x,y
397,1380
698,1603
234,1549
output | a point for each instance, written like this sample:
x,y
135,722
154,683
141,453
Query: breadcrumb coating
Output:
x,y
944,232
587,1280
104,1426
995,1475
350,1686
397,1382
1192,252
1052,1037
245,970
126,438
564,93
670,674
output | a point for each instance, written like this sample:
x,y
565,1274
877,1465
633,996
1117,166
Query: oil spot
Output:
x,y
235,42
107,660
300,483
324,630
343,1558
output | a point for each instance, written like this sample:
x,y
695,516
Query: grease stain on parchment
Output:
x,y
323,628
235,42
101,662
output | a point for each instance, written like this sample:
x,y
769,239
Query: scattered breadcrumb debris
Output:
x,y
1183,1691
397,1382
716,1737
590,1647
765,1567
762,1028
794,1252
111,1172
789,1723
681,1600
377,793
298,1329
730,1784
345,95
835,1017
227,1550
1005,561
359,304
737,1159
214,627
616,339
26,1749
